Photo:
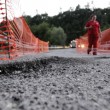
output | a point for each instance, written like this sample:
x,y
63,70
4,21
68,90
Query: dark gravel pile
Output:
x,y
56,83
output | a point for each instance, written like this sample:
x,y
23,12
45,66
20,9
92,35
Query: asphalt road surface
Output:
x,y
57,80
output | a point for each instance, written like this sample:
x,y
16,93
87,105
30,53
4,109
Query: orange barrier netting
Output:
x,y
16,37
103,45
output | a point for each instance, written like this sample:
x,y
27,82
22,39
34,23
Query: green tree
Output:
x,y
58,37
41,30
77,7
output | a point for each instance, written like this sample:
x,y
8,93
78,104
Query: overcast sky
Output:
x,y
53,7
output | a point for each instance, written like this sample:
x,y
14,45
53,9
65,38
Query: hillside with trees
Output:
x,y
66,26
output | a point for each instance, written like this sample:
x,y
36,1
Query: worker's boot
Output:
x,y
88,51
94,51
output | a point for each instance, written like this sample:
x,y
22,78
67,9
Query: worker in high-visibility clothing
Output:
x,y
94,33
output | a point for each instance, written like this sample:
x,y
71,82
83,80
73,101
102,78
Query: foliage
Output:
x,y
58,37
40,30
72,22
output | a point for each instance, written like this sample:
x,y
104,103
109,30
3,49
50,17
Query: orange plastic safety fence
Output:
x,y
103,44
16,37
